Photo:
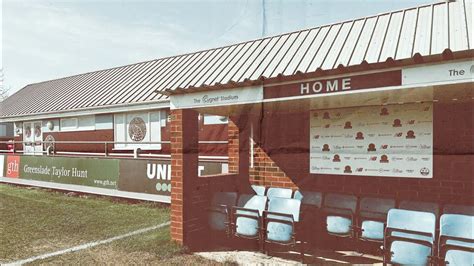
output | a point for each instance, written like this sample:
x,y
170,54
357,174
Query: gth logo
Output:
x,y
13,166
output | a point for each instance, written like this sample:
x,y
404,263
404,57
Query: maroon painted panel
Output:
x,y
326,86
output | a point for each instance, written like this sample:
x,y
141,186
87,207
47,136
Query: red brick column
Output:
x,y
233,147
239,156
184,165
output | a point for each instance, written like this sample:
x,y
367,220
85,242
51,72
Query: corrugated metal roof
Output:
x,y
424,30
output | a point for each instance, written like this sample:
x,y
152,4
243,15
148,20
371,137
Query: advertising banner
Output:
x,y
94,172
2,164
392,140
116,175
154,177
12,169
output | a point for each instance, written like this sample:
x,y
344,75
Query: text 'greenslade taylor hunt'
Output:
x,y
55,171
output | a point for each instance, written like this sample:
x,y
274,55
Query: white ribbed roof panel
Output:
x,y
468,11
306,60
323,50
377,39
425,30
364,41
392,35
336,47
440,29
350,43
301,52
407,34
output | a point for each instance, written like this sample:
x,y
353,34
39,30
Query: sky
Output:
x,y
48,39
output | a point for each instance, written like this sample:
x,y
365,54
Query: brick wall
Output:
x,y
190,194
233,147
282,160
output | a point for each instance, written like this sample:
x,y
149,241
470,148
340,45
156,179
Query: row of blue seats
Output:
x,y
401,228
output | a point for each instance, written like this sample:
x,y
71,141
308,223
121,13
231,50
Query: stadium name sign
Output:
x,y
217,97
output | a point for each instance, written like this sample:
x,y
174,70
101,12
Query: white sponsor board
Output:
x,y
455,71
393,140
217,97
2,163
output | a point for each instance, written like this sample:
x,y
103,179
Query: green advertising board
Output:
x,y
94,172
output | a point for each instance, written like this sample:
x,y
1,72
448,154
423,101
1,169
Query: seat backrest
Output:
x,y
259,190
375,207
279,192
457,225
421,206
286,206
309,198
253,202
340,201
423,222
224,198
458,209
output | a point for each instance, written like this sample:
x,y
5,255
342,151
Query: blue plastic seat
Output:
x,y
421,206
280,220
219,211
259,190
279,192
339,211
247,215
459,257
456,242
458,209
409,237
309,198
373,217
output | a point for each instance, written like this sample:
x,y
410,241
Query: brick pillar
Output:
x,y
239,156
233,147
184,165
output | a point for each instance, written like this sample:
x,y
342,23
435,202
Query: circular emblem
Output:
x,y
425,171
28,131
49,142
137,129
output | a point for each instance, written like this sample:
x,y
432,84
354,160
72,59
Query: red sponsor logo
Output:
x,y
373,158
424,171
384,146
13,166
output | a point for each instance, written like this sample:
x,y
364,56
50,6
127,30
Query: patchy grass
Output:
x,y
147,249
35,221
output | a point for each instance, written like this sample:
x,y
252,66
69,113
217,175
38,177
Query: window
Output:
x,y
215,119
68,124
80,123
137,129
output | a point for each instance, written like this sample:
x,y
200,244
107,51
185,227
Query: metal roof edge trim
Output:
x,y
160,104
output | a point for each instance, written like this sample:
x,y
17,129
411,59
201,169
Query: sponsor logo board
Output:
x,y
389,141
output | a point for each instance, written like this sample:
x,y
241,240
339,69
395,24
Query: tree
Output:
x,y
3,89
